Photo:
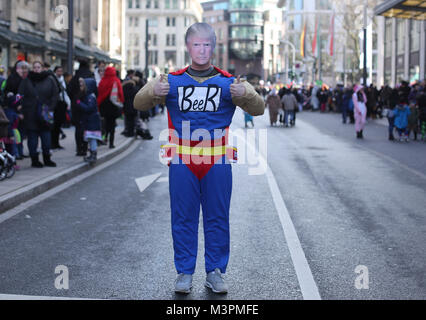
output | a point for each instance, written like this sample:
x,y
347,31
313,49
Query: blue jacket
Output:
x,y
89,107
401,113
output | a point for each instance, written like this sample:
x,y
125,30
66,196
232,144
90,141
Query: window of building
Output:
x,y
220,6
415,35
400,36
167,4
153,22
156,5
296,4
245,4
130,21
148,4
323,5
388,38
170,57
136,57
375,43
251,32
152,38
153,57
130,4
138,4
246,17
136,22
175,4
171,22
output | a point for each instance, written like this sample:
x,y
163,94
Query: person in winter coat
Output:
x,y
38,89
19,72
347,96
413,121
421,103
64,103
402,112
13,103
274,104
289,103
73,90
323,98
91,120
130,89
110,85
360,110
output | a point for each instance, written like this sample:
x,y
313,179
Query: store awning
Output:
x,y
403,9
30,41
5,34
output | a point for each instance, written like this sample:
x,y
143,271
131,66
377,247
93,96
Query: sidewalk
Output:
x,y
29,182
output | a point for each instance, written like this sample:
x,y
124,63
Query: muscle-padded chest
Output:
x,y
206,105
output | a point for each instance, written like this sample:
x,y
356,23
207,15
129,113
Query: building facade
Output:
x,y
166,22
249,33
215,13
402,28
34,30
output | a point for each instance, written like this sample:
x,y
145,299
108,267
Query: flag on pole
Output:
x,y
331,36
315,42
302,41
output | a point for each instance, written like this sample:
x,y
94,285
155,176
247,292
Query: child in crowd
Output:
x,y
91,118
12,107
401,112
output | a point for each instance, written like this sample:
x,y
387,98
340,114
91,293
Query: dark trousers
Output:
x,y
110,129
81,145
391,125
344,113
59,120
33,136
129,123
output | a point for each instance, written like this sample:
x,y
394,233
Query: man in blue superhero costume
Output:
x,y
201,101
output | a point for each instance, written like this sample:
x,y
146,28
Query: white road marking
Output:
x,y
304,275
145,182
163,179
24,297
14,211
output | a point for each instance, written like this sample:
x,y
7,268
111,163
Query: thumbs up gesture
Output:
x,y
237,88
162,87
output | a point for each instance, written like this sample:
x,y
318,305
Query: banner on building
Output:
x,y
331,36
302,41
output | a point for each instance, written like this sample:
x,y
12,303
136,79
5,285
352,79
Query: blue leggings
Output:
x,y
213,193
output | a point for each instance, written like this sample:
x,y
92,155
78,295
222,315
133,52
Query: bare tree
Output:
x,y
351,15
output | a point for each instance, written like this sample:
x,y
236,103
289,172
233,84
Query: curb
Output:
x,y
21,195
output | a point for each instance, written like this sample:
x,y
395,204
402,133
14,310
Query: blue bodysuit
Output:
x,y
200,174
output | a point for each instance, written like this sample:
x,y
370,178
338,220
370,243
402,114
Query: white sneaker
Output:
x,y
215,282
183,283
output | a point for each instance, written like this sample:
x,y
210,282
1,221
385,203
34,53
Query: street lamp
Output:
x,y
70,44
365,43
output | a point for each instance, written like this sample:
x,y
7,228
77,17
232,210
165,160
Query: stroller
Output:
x,y
7,161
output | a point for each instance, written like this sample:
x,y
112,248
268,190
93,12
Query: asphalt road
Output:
x,y
354,204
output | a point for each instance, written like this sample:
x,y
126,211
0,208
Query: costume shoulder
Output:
x,y
179,72
223,72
